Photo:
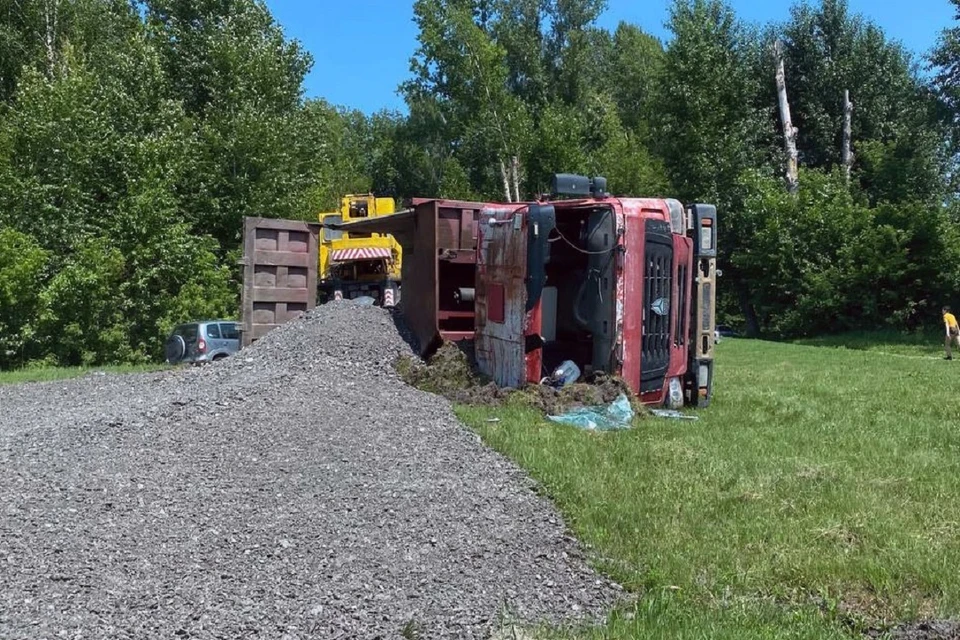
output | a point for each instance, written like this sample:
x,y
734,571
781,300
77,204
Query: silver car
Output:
x,y
205,341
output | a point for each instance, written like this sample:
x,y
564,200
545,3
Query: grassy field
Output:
x,y
50,374
818,497
891,343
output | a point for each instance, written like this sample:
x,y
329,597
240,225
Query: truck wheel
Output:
x,y
175,349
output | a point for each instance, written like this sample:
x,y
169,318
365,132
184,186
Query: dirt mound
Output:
x,y
452,373
600,391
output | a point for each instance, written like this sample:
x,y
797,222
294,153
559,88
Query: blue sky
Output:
x,y
362,48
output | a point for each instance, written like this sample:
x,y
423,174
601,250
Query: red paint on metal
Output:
x,y
451,244
636,211
630,290
501,270
495,302
682,256
533,359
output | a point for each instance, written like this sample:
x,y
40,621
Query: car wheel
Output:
x,y
219,356
175,349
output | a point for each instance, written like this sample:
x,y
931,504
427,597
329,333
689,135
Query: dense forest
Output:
x,y
135,135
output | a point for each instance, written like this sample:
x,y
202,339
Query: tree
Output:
x,y
240,82
945,62
224,54
22,271
830,51
706,126
708,130
460,73
91,163
636,65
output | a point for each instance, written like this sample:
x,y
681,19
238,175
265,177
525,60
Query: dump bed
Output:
x,y
279,273
439,242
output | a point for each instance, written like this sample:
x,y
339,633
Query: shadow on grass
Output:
x,y
927,343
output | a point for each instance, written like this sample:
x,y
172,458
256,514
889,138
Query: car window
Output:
x,y
229,331
187,331
213,331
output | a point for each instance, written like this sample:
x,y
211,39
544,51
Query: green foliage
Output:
x,y
22,270
815,498
224,54
135,136
525,78
93,162
462,71
341,147
637,61
706,127
824,262
828,51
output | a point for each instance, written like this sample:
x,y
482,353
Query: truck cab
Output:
x,y
621,286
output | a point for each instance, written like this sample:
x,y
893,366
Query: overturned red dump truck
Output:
x,y
622,286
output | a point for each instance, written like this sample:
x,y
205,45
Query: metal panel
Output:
x,y
657,302
501,296
418,279
699,383
363,253
439,249
279,273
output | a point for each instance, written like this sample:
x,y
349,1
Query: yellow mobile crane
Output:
x,y
356,265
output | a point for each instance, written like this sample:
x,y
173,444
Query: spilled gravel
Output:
x,y
297,490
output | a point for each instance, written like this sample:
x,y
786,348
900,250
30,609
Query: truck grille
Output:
x,y
657,305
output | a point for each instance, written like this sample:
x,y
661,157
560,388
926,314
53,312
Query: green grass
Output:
x,y
817,497
50,374
917,345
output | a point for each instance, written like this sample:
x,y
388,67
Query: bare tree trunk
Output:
x,y
847,152
515,176
506,181
52,16
789,131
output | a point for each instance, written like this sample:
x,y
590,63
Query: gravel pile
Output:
x,y
298,489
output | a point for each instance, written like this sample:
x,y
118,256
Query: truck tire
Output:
x,y
175,349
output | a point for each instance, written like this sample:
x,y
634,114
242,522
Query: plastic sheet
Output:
x,y
615,416
673,415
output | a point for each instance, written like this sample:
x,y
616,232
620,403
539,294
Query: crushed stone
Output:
x,y
299,489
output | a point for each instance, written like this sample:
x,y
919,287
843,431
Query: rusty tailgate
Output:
x,y
279,273
501,295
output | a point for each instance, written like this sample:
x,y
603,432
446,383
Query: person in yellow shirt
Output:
x,y
953,332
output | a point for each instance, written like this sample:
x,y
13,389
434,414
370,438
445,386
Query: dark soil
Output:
x,y
451,372
927,630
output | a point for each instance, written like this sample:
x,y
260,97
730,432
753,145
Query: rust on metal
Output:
x,y
279,273
501,295
439,241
